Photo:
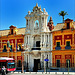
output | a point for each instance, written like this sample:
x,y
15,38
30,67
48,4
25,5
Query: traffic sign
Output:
x,y
46,59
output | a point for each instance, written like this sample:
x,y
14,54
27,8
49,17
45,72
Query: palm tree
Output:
x,y
63,13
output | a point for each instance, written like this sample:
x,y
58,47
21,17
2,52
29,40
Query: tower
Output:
x,y
37,38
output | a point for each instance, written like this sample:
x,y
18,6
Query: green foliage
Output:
x,y
63,13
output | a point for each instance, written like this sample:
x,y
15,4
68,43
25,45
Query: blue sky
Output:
x,y
12,12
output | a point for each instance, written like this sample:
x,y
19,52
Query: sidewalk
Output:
x,y
48,73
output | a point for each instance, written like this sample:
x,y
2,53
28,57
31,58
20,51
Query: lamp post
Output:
x,y
8,45
22,64
16,47
27,62
44,63
68,66
22,61
12,48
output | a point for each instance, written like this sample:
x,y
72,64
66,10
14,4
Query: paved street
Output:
x,y
40,73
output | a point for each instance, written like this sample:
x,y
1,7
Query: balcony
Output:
x,y
36,48
57,48
68,47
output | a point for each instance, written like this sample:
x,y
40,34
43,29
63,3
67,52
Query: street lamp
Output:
x,y
22,64
68,66
8,45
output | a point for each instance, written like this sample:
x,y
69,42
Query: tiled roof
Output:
x,y
58,27
6,32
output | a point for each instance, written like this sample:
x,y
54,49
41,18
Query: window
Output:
x,y
68,26
19,47
19,63
43,19
58,63
11,31
11,48
68,43
10,65
2,64
4,50
27,22
58,44
4,47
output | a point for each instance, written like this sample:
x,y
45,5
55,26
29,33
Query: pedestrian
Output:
x,y
3,70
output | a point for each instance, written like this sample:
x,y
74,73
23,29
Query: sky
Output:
x,y
12,12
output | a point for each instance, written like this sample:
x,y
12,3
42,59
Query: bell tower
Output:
x,y
36,24
37,37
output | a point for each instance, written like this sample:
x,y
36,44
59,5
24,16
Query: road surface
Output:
x,y
40,73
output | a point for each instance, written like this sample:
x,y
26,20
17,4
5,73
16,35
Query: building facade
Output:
x,y
15,37
37,39
40,41
64,44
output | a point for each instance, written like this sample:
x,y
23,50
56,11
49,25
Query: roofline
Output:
x,y
60,30
59,23
21,27
9,29
4,29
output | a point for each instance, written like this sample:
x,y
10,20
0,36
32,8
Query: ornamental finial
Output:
x,y
28,12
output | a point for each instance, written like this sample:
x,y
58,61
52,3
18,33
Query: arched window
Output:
x,y
11,31
68,26
19,63
36,24
43,19
4,50
19,47
27,22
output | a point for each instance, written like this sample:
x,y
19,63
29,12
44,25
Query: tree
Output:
x,y
63,13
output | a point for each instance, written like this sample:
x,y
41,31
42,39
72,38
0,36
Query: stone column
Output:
x,y
32,42
49,60
28,60
44,20
44,64
41,60
28,39
41,40
44,40
48,37
51,46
